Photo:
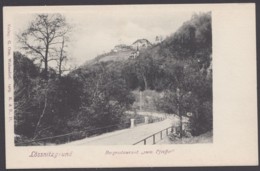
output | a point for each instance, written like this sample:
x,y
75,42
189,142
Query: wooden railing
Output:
x,y
171,129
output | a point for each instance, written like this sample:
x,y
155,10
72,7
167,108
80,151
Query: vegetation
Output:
x,y
94,96
203,138
179,68
86,99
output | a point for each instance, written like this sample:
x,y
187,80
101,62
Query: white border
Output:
x,y
234,102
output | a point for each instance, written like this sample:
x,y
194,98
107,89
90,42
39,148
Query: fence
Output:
x,y
160,133
76,135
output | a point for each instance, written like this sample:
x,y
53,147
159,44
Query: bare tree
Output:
x,y
42,39
43,36
62,57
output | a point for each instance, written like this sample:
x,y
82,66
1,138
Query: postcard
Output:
x,y
130,86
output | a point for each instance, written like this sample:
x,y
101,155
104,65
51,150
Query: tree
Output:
x,y
144,69
62,58
181,67
25,74
43,36
158,39
104,96
42,39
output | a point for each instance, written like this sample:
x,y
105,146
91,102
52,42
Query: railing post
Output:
x,y
146,120
132,123
144,141
153,138
166,131
174,130
161,134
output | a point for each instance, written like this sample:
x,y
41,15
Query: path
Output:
x,y
126,136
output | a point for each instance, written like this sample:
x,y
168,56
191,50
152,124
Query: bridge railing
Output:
x,y
168,130
68,137
76,135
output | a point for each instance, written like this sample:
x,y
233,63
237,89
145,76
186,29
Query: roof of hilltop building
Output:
x,y
142,43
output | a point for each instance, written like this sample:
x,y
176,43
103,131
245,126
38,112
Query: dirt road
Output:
x,y
126,136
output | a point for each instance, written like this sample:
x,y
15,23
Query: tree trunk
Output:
x,y
180,126
60,68
178,110
145,82
140,101
45,73
43,112
61,58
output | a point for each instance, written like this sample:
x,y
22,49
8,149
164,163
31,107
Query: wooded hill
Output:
x,y
98,94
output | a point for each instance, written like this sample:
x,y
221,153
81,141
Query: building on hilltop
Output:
x,y
138,45
141,44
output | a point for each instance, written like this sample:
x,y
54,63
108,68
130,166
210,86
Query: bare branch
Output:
x,y
43,37
34,49
53,59
53,43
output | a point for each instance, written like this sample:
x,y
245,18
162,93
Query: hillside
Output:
x,y
173,77
122,52
115,56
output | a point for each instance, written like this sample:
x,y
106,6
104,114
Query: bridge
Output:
x,y
130,136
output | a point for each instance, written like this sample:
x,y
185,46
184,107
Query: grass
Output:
x,y
203,138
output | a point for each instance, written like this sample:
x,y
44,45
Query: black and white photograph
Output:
x,y
103,79
152,85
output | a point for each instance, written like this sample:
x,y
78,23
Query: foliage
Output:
x,y
93,99
25,73
105,96
84,100
180,68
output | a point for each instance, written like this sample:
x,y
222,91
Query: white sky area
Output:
x,y
98,29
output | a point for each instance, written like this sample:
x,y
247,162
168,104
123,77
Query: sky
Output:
x,y
98,29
